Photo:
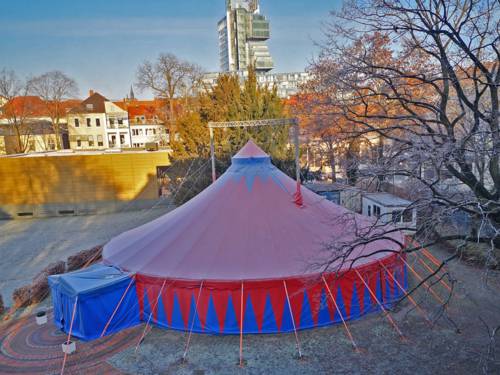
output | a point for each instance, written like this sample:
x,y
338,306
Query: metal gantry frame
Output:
x,y
252,124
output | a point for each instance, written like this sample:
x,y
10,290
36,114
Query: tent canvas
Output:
x,y
97,291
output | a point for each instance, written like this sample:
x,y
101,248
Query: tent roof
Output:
x,y
250,150
245,226
88,280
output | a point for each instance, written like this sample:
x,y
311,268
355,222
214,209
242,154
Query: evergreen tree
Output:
x,y
228,100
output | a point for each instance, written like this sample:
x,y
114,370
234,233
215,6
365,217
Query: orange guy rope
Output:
x,y
340,314
293,320
386,313
117,307
434,272
150,315
407,295
439,299
69,333
192,322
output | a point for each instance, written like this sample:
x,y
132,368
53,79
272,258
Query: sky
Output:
x,y
100,43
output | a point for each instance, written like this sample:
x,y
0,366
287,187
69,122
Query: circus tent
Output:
x,y
246,256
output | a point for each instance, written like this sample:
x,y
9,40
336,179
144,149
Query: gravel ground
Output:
x,y
27,246
440,348
456,343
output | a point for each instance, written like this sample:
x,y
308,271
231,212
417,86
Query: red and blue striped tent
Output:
x,y
244,257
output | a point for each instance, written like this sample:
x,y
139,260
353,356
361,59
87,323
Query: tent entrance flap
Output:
x,y
105,294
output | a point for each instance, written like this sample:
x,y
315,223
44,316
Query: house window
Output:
x,y
120,121
369,210
91,141
154,131
396,216
77,123
407,216
376,210
97,122
135,131
78,142
88,123
111,121
122,139
99,141
51,144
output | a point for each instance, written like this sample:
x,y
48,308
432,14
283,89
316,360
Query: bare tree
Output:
x,y
168,77
53,88
17,109
424,77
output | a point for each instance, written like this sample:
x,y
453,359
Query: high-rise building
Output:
x,y
242,37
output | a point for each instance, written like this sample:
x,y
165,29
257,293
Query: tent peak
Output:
x,y
250,150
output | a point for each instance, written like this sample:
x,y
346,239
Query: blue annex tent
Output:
x,y
97,291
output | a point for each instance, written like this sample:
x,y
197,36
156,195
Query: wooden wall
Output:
x,y
46,185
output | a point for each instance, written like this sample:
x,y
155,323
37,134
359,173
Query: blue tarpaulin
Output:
x,y
97,291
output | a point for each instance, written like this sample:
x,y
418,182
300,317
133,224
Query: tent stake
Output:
x,y
117,307
241,326
150,315
293,320
386,313
69,334
340,314
192,323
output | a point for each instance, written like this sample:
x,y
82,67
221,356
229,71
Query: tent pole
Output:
x,y
241,326
386,313
150,315
293,320
69,333
117,307
212,152
192,323
407,295
340,314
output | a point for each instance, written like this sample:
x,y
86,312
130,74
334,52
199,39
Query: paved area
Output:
x,y
27,246
31,349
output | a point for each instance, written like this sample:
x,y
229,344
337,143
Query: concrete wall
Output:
x,y
78,184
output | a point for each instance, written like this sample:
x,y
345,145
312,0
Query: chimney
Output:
x,y
91,92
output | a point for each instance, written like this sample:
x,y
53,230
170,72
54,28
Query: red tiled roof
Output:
x,y
33,106
93,104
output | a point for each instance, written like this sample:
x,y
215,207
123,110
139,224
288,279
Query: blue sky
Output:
x,y
100,43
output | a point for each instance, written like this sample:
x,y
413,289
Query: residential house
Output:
x,y
389,208
146,126
26,125
98,123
